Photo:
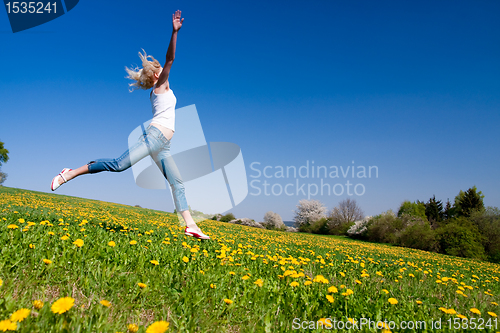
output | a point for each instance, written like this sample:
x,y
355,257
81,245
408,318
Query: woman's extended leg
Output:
x,y
145,145
74,173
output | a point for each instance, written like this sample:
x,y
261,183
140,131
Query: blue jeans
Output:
x,y
152,142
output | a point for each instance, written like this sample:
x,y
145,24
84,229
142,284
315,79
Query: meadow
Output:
x,y
76,265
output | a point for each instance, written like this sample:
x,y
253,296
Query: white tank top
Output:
x,y
163,108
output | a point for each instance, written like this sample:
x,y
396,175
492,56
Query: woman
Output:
x,y
155,141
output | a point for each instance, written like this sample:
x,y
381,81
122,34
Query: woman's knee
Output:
x,y
177,186
120,166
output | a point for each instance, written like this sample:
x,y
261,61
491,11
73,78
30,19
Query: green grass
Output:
x,y
190,295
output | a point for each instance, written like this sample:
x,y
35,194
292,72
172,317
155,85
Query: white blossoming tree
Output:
x,y
309,211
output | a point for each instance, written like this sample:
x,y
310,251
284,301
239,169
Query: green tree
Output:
x,y
434,210
416,209
449,211
469,201
4,157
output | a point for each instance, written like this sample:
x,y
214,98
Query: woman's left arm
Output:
x,y
162,84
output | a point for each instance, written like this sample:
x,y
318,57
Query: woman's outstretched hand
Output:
x,y
177,21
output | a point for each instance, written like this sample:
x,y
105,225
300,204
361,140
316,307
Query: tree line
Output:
x,y
464,228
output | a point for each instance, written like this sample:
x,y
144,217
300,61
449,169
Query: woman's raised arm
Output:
x,y
162,84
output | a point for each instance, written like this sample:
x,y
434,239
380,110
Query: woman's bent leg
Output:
x,y
169,169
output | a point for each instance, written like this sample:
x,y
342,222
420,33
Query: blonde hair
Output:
x,y
144,77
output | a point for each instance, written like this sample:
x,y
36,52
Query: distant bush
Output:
x,y
417,234
406,230
317,227
339,229
460,238
228,217
382,228
488,223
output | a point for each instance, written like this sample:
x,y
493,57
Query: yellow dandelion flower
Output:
x,y
62,305
158,327
320,279
133,242
7,325
342,273
105,303
12,226
78,242
333,289
32,246
47,261
213,286
154,262
259,282
185,259
112,244
194,250
37,304
51,233
294,284
228,301
64,237
493,314
451,311
325,322
385,291
246,277
232,273
352,321
348,292
132,328
329,298
307,283
1,282
419,302
142,285
393,301
21,220
476,311
358,282
492,303
20,315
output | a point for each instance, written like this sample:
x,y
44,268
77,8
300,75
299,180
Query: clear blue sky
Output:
x,y
410,87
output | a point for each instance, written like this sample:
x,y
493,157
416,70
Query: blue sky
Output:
x,y
410,87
